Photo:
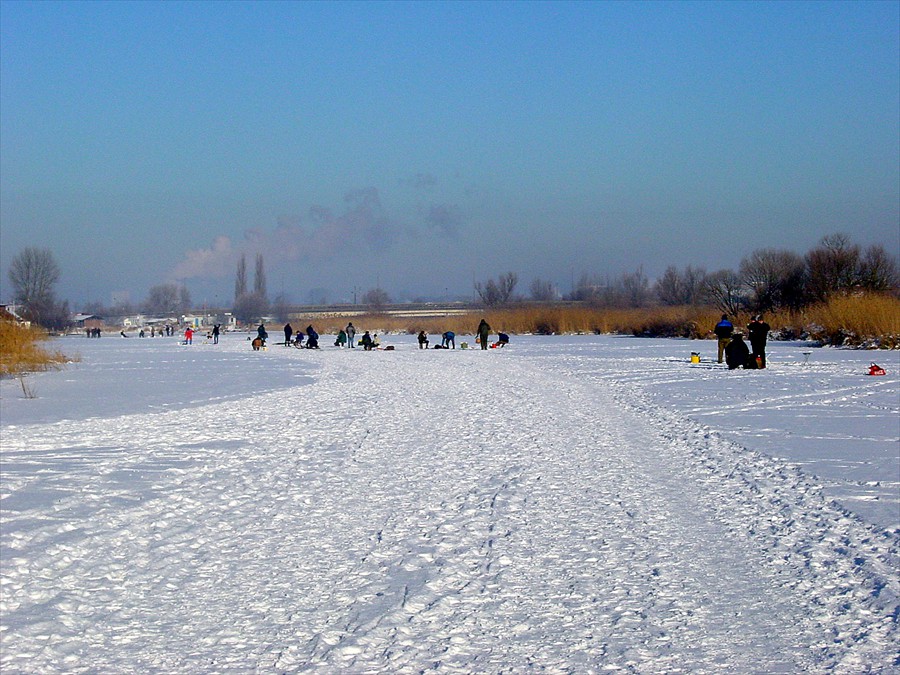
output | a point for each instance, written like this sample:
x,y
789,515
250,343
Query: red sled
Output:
x,y
875,369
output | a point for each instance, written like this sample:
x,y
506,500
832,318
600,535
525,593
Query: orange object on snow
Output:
x,y
875,369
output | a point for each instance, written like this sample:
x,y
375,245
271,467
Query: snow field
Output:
x,y
427,511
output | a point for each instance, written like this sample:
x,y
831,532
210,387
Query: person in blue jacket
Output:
x,y
448,339
723,331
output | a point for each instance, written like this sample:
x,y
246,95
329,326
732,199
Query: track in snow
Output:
x,y
415,511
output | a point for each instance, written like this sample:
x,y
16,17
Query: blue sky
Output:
x,y
421,146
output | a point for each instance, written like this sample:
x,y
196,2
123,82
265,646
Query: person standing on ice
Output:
x,y
484,332
758,332
288,331
189,336
351,335
216,334
723,331
447,339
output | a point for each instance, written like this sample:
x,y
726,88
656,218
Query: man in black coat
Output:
x,y
758,332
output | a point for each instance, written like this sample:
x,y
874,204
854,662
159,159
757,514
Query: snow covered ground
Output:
x,y
570,504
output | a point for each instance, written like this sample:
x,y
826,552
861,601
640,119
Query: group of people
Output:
x,y
346,337
735,351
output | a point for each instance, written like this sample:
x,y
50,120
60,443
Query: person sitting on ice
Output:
x,y
312,338
262,334
366,341
502,339
423,339
737,353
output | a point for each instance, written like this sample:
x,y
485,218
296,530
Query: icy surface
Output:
x,y
574,504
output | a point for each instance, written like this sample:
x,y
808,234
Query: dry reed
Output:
x,y
865,320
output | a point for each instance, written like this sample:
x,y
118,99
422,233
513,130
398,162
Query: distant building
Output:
x,y
87,321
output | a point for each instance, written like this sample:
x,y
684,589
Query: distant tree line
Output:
x,y
768,279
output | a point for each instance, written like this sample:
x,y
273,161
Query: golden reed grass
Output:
x,y
21,351
872,320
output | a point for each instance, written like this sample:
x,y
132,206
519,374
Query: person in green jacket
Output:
x,y
484,332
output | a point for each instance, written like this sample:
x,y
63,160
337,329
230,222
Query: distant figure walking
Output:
x,y
758,332
351,335
288,331
484,332
423,340
723,331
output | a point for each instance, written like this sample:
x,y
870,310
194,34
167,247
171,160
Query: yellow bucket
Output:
x,y
695,357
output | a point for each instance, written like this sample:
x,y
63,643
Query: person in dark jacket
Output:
x,y
484,332
262,334
502,339
366,341
737,352
288,331
423,340
723,331
312,338
758,333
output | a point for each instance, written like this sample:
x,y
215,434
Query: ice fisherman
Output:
x,y
312,338
723,330
341,338
288,331
262,334
366,341
423,339
484,332
737,353
758,333
351,335
448,339
502,339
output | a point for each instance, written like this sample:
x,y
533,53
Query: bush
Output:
x,y
20,353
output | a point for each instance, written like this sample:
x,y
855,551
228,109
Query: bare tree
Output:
x,y
774,277
832,267
498,292
259,279
240,279
250,307
725,290
635,288
878,270
542,291
33,274
167,299
376,298
670,288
